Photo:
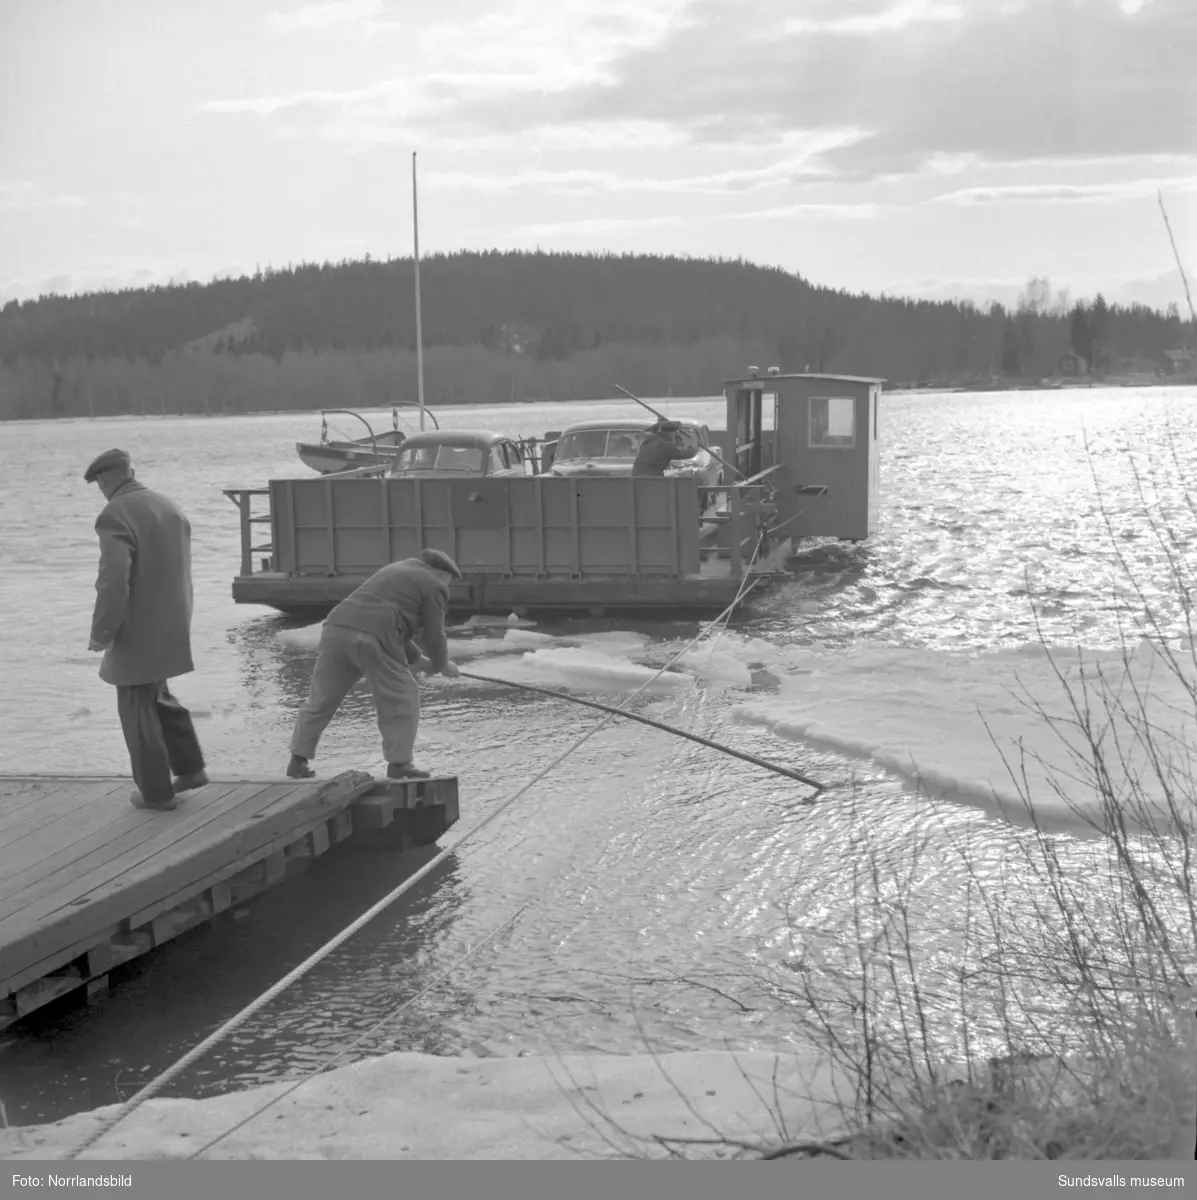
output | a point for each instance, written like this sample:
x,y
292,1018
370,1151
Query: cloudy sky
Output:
x,y
916,147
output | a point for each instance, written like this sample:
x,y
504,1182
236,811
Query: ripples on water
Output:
x,y
647,861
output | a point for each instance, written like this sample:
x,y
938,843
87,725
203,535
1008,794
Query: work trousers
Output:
x,y
160,737
345,656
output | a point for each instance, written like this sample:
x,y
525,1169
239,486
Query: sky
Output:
x,y
897,147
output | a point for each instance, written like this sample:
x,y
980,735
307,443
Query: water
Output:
x,y
650,864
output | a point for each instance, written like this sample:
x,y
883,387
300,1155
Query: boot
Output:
x,y
189,783
139,801
406,771
298,768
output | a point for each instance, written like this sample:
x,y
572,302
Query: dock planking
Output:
x,y
88,882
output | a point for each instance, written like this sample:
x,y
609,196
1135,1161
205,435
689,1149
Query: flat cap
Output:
x,y
438,560
667,427
108,461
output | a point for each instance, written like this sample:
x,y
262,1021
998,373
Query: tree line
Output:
x,y
516,325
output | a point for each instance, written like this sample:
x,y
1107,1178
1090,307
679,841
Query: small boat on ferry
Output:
x,y
330,457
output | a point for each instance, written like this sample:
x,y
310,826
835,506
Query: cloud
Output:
x,y
327,16
316,98
550,40
474,77
364,133
593,225
927,86
21,195
883,21
778,173
996,81
839,212
1071,193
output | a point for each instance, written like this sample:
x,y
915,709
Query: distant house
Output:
x,y
1071,365
1180,361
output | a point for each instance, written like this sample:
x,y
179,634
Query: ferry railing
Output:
x,y
243,499
742,521
746,516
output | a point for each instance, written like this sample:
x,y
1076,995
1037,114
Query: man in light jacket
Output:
x,y
142,624
372,633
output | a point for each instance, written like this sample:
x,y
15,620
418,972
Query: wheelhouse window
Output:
x,y
832,422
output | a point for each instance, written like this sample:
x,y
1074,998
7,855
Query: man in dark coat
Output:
x,y
142,623
372,632
660,447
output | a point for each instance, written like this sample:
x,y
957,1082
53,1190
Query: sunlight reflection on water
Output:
x,y
647,859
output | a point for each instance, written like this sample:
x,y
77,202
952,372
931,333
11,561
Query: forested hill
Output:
x,y
502,325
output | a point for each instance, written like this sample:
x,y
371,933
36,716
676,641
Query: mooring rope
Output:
x,y
235,1022
390,1016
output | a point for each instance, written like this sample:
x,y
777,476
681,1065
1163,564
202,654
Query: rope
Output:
x,y
776,768
235,1022
332,1058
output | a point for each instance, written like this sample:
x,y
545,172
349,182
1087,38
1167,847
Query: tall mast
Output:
x,y
415,216
1176,255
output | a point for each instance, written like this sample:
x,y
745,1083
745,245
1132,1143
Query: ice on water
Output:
x,y
957,724
960,725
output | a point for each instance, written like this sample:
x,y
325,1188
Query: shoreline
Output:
x,y
579,1107
963,389
420,1106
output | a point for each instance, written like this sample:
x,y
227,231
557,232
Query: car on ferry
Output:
x,y
608,447
451,453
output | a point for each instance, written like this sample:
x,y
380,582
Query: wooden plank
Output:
x,y
113,893
90,970
38,994
98,840
22,803
65,821
151,836
392,799
97,810
122,945
340,827
51,862
90,866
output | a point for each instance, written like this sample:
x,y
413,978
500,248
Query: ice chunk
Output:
x,y
946,720
526,637
308,638
583,669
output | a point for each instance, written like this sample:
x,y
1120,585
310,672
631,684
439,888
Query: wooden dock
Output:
x,y
88,882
